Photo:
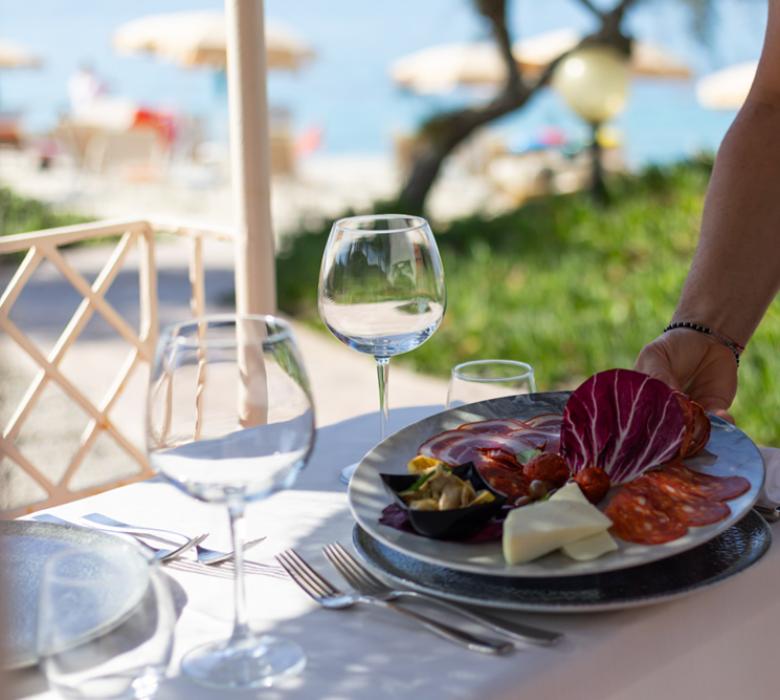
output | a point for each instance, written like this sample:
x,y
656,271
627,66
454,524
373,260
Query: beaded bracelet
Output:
x,y
732,345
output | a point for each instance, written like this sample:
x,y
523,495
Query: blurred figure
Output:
x,y
84,87
735,273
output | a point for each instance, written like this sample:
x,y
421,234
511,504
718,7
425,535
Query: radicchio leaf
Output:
x,y
623,421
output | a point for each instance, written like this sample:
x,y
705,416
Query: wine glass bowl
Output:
x,y
230,420
479,380
381,288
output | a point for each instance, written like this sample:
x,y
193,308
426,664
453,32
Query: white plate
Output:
x,y
729,453
26,546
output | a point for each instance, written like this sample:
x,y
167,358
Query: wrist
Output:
x,y
704,330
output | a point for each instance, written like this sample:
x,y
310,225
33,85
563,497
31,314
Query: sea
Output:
x,y
346,93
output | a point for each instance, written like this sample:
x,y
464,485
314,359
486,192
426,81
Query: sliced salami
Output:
x,y
636,518
682,505
697,427
714,488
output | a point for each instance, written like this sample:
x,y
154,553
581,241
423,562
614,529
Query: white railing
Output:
x,y
45,246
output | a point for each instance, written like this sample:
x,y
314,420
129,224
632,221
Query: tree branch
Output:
x,y
588,5
495,12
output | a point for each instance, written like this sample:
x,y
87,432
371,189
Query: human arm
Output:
x,y
735,272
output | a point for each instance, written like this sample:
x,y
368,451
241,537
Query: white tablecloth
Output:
x,y
718,643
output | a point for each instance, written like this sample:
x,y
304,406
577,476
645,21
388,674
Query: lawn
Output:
x,y
570,288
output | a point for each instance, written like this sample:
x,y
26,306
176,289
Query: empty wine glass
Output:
x,y
230,420
480,380
381,289
128,661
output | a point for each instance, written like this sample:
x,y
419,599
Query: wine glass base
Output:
x,y
254,662
346,473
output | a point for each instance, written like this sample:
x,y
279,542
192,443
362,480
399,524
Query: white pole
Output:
x,y
251,182
250,159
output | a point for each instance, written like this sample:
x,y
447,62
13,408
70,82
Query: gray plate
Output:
x,y
724,556
26,546
729,452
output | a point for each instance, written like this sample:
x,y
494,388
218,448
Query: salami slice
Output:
x,y
509,482
684,506
636,518
714,488
697,427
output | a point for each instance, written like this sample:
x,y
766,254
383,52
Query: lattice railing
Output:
x,y
45,245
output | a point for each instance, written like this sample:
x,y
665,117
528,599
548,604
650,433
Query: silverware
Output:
x,y
161,555
328,596
362,580
207,556
771,515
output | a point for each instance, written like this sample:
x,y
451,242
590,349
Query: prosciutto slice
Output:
x,y
468,442
623,421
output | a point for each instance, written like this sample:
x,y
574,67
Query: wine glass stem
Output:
x,y
236,508
383,374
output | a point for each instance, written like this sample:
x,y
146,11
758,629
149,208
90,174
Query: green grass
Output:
x,y
570,288
21,214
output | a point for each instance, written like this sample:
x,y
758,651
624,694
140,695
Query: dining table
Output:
x,y
718,642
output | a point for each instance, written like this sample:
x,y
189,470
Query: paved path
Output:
x,y
343,381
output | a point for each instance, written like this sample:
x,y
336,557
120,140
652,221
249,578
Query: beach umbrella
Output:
x,y
199,39
440,69
647,58
12,55
727,88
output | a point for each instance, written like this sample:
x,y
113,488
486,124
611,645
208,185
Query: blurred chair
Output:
x,y
101,151
11,133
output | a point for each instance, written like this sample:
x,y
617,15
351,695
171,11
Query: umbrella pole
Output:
x,y
251,182
249,156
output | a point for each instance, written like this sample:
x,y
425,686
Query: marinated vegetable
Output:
x,y
438,488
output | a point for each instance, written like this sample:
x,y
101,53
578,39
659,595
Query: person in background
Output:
x,y
735,273
84,87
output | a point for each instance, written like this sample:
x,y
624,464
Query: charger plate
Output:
x,y
720,558
729,453
26,546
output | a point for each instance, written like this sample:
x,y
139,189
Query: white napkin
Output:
x,y
770,494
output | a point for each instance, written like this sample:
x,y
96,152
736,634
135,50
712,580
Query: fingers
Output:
x,y
725,415
653,360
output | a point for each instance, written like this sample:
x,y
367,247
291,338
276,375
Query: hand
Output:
x,y
695,364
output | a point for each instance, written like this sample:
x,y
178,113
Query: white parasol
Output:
x,y
727,88
13,55
193,39
440,69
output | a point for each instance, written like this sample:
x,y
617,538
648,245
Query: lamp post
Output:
x,y
593,81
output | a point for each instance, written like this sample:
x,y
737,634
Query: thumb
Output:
x,y
654,362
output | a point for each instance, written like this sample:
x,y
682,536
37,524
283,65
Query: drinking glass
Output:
x,y
480,380
230,420
381,289
130,661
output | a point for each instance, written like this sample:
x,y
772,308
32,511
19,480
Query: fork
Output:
x,y
362,580
210,557
161,555
328,596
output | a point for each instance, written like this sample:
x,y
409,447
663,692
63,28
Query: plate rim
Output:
x,y
513,572
559,608
13,662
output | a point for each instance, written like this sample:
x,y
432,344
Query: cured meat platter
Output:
x,y
599,408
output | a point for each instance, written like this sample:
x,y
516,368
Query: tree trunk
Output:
x,y
440,137
443,133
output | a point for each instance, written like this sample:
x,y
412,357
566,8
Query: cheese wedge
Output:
x,y
588,547
539,528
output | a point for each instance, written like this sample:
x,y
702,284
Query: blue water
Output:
x,y
347,92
